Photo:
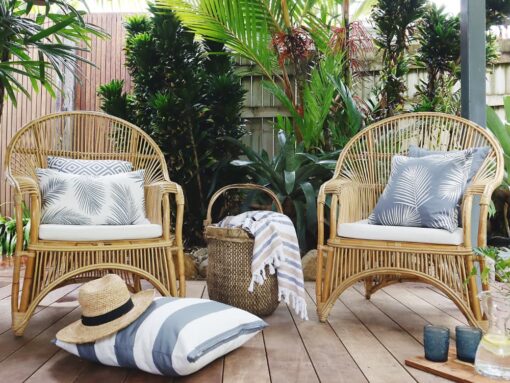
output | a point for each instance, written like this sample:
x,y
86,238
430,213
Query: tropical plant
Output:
x,y
37,42
295,46
499,222
438,37
501,128
8,237
496,272
501,264
295,176
186,99
498,12
394,22
438,54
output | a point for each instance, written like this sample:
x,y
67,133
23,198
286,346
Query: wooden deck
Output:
x,y
364,341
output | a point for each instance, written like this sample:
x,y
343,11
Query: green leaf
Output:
x,y
506,103
311,204
241,163
290,181
499,128
300,223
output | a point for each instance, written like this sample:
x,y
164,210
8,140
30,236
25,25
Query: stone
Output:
x,y
202,268
190,267
309,262
200,255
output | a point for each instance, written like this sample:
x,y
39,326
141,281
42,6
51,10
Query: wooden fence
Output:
x,y
108,56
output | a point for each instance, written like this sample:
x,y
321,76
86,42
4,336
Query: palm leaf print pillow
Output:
x,y
71,199
423,192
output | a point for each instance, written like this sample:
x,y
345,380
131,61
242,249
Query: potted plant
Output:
x,y
497,270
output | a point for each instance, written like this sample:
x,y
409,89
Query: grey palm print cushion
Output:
x,y
89,167
71,199
479,155
423,192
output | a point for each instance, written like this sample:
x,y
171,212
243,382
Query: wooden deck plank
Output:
x,y
247,364
398,342
5,291
325,349
210,374
61,368
21,364
96,373
287,356
374,360
421,307
401,314
437,299
5,306
363,341
44,318
142,377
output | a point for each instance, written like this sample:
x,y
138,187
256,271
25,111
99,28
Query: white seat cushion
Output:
x,y
363,230
77,233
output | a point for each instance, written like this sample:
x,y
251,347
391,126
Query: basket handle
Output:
x,y
215,196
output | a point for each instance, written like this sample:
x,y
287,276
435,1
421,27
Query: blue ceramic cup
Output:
x,y
467,340
436,340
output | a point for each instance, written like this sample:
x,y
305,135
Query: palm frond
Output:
x,y
244,26
64,216
399,215
90,194
52,190
453,184
413,187
445,219
124,210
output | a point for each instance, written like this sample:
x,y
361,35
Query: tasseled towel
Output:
x,y
276,245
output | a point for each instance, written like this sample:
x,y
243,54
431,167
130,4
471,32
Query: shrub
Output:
x,y
185,99
295,176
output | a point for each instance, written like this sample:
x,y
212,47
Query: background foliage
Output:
x,y
38,42
185,99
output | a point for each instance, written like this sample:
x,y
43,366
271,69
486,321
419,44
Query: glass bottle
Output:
x,y
493,354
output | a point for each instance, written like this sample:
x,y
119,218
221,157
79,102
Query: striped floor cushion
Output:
x,y
173,337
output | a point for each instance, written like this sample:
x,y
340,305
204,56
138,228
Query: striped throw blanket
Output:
x,y
276,245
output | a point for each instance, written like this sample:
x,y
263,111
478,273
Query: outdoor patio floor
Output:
x,y
363,341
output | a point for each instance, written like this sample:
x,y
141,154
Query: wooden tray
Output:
x,y
453,369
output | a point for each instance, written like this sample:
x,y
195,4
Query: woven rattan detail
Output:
x,y
229,270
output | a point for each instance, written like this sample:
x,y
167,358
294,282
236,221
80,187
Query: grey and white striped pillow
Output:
x,y
173,337
89,167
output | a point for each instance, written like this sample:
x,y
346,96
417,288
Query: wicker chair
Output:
x,y
52,264
360,177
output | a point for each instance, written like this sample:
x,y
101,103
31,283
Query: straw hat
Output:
x,y
106,307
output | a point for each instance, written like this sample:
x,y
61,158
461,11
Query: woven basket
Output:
x,y
229,270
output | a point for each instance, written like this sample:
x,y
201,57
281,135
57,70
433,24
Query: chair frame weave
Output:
x,y
52,264
360,176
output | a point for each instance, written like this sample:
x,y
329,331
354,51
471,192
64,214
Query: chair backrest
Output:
x,y
366,159
83,135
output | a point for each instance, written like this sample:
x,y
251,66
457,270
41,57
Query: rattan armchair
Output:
x,y
361,174
52,264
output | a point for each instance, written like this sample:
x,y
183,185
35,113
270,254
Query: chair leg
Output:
x,y
369,285
20,322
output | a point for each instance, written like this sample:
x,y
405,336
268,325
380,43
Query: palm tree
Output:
x,y
38,43
282,38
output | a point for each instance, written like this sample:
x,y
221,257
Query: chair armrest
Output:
x,y
484,192
26,185
333,186
156,198
339,189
